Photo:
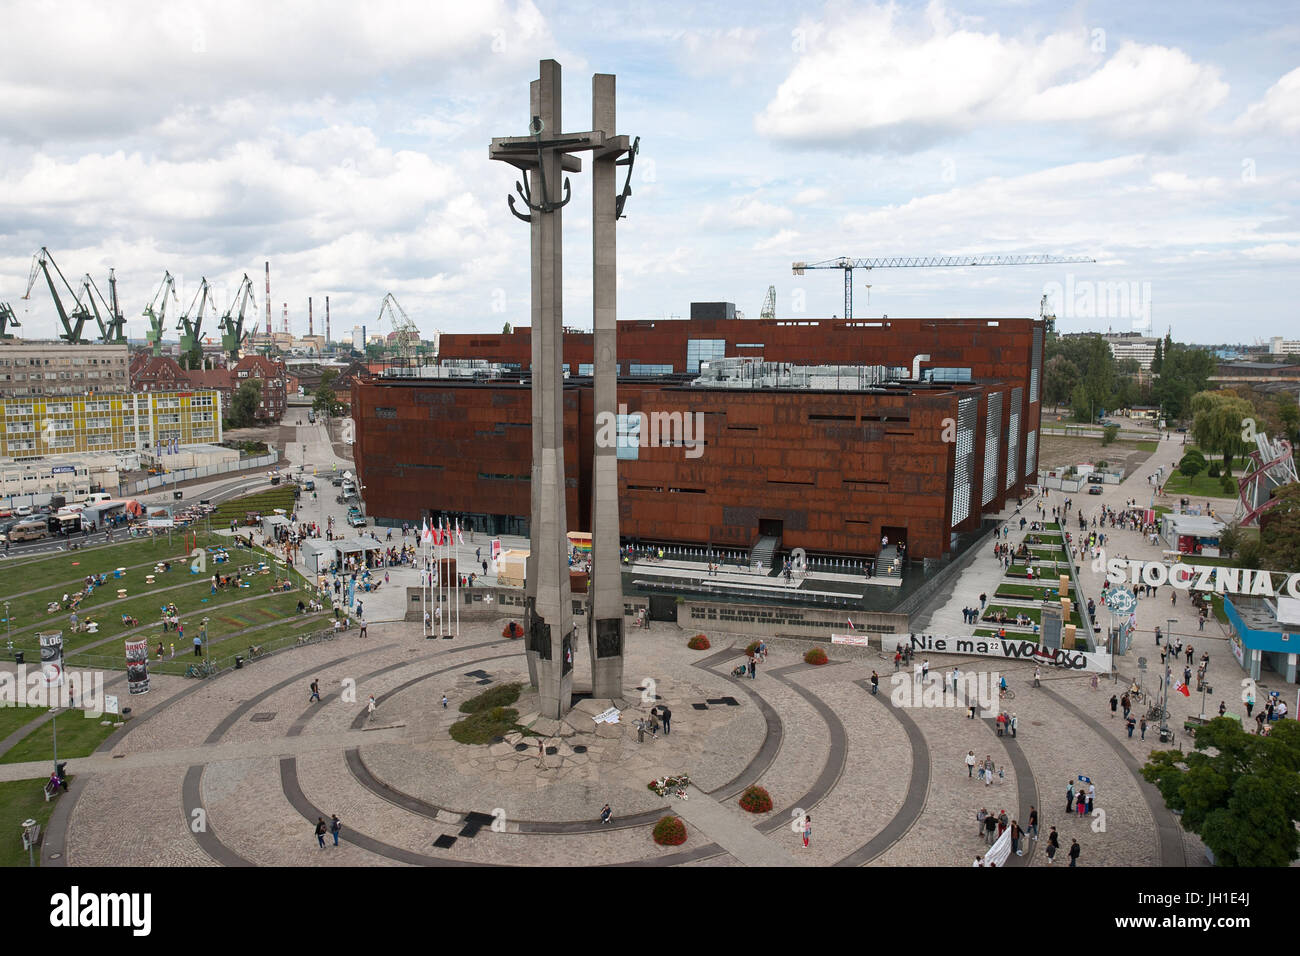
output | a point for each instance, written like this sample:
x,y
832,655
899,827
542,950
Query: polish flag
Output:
x,y
459,537
1181,688
437,537
851,627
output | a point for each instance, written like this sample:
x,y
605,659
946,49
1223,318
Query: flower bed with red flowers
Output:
x,y
670,831
756,800
512,629
815,656
699,643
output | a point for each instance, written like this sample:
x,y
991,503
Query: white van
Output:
x,y
95,499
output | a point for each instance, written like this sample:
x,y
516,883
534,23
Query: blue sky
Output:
x,y
348,145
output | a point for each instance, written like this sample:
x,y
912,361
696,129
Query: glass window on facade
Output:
x,y
703,350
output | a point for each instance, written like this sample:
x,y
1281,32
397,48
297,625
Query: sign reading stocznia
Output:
x,y
1201,577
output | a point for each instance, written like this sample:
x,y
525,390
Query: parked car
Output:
x,y
1095,489
357,520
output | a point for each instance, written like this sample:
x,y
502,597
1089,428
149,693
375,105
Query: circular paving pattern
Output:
x,y
236,771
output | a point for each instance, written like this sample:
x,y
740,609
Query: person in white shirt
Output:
x,y
970,763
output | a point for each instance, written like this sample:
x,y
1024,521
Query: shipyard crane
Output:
x,y
924,262
769,304
191,322
232,323
7,320
408,333
112,331
156,312
74,321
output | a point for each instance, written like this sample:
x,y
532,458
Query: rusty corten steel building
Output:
x,y
831,471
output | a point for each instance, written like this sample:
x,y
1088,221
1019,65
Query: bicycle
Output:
x,y
1006,694
327,635
202,669
255,651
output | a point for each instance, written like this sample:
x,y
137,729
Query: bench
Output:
x,y
33,838
51,790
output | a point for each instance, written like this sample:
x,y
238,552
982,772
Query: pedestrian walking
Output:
x,y
1053,845
370,708
1069,797
1190,652
1250,704
320,831
1033,823
666,716
198,647
315,692
335,828
444,701
1037,675
753,668
1074,852
1143,725
1016,835
875,683
1013,724
979,822
807,830
898,657
1222,707
1131,723
990,830
1114,704
970,763
925,669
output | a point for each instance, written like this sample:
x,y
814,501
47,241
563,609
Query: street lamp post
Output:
x,y
9,627
29,837
1164,704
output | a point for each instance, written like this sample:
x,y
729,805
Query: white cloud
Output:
x,y
814,194
871,78
781,242
1278,111
1182,183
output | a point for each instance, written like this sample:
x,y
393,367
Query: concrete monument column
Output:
x,y
605,629
548,617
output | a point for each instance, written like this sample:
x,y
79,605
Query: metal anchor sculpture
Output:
x,y
629,160
526,194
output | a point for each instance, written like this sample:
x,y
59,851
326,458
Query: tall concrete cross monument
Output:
x,y
544,156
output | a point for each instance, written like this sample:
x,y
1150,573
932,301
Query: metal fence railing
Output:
x,y
205,471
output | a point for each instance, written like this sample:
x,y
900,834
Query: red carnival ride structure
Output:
x,y
1272,466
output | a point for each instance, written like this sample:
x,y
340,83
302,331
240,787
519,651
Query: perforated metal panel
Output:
x,y
1031,454
1036,365
964,463
1013,437
992,431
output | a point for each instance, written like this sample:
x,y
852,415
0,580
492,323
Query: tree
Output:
x,y
1184,372
1079,403
193,359
244,403
1109,433
1279,531
1219,419
1158,359
505,329
1239,792
325,401
1192,463
1230,540
1060,376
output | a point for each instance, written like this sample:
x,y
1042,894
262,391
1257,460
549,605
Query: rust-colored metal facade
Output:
x,y
830,471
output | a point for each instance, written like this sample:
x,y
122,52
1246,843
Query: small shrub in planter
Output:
x,y
512,629
699,643
815,656
670,831
756,800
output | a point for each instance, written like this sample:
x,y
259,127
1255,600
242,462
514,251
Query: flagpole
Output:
x,y
457,577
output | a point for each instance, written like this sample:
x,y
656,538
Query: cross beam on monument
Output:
x,y
544,156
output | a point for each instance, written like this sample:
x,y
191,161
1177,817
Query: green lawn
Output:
x,y
1047,592
21,800
1034,614
1011,635
1199,486
78,737
11,718
1146,445
265,502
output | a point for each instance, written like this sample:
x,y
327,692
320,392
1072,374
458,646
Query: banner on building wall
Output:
x,y
137,666
1031,652
496,548
52,658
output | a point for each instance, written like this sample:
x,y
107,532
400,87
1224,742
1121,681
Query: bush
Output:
x,y
1229,485
481,727
699,643
752,648
756,800
1109,433
513,630
670,831
500,696
815,656
1213,470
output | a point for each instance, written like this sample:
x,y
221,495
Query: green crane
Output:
x,y
232,325
112,331
191,323
7,320
74,321
156,312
